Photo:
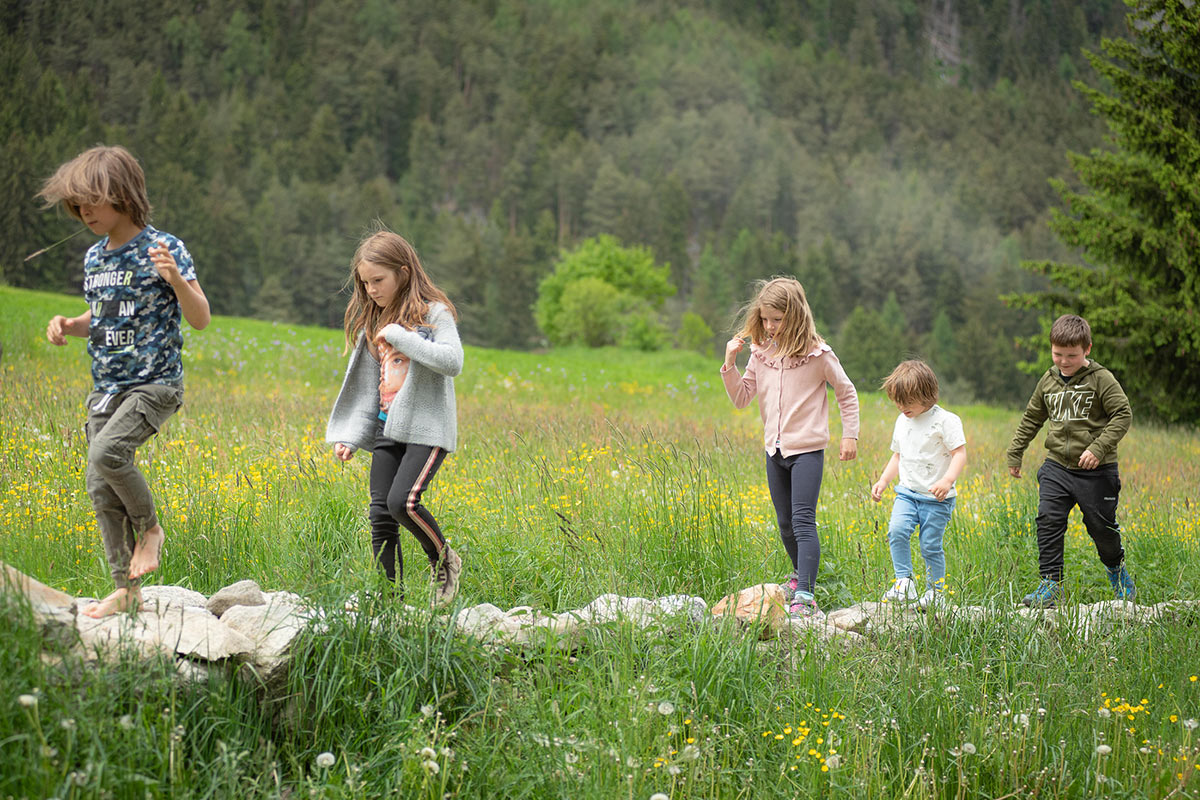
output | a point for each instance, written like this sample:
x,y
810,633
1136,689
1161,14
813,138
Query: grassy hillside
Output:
x,y
578,473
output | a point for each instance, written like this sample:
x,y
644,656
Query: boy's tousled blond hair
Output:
x,y
414,294
103,174
797,334
911,381
1071,330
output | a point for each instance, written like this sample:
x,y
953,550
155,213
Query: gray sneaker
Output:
x,y
445,578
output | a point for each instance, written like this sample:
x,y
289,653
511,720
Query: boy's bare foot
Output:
x,y
120,600
146,552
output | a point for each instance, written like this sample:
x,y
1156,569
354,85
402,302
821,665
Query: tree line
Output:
x,y
895,157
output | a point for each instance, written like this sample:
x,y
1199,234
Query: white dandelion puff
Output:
x,y
325,760
1103,749
666,708
28,701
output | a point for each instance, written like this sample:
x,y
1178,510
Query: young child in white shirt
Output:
x,y
929,452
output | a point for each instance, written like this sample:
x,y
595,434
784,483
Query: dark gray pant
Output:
x,y
117,425
1096,492
795,483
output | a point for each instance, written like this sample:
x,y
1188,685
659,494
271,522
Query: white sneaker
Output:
x,y
931,599
902,591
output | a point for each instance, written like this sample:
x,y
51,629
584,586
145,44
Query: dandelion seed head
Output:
x,y
431,767
28,701
1103,749
428,753
666,708
325,760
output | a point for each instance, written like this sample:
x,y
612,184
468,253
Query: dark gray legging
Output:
x,y
399,475
795,483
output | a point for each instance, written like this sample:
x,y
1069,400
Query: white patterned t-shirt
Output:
x,y
924,443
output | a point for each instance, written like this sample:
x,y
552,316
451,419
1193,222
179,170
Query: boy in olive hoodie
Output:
x,y
1088,414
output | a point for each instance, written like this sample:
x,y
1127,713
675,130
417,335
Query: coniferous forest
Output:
x,y
894,156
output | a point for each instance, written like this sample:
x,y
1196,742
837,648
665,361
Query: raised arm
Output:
x,y
192,301
443,353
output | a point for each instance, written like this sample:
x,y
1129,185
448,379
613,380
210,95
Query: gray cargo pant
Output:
x,y
117,425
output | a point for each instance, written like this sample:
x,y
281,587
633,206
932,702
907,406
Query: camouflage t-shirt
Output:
x,y
134,336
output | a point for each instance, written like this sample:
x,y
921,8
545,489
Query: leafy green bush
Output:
x,y
596,292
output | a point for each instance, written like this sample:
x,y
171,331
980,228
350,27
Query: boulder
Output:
x,y
163,597
763,604
242,593
171,629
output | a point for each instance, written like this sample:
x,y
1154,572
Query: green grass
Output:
x,y
578,473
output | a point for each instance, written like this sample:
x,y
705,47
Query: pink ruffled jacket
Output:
x,y
792,399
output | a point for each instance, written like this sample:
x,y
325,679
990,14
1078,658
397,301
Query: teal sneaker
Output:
x,y
1122,582
1048,594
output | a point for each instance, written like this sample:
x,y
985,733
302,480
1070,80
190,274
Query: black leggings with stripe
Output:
x,y
399,475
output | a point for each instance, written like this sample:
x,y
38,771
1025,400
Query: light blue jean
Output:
x,y
912,510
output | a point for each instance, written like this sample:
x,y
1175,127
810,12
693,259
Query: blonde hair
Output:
x,y
797,334
911,382
1071,330
414,294
100,175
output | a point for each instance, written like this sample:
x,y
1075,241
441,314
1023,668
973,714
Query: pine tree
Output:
x,y
1140,221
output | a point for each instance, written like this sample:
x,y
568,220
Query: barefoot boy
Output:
x,y
1088,414
137,281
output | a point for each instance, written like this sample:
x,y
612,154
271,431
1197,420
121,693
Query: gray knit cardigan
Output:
x,y
423,411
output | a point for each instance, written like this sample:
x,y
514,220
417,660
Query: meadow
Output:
x,y
579,473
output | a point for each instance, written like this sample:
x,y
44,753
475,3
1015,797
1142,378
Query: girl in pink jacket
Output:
x,y
789,368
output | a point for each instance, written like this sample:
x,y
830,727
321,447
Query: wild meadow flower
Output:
x,y
27,701
666,708
1021,719
1103,750
427,710
67,724
126,722
1190,724
427,753
659,796
325,760
834,761
431,767
690,753
1104,713
673,769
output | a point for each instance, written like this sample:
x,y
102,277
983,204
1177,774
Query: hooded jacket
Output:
x,y
1087,411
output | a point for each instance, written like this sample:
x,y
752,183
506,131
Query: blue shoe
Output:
x,y
1048,594
1122,582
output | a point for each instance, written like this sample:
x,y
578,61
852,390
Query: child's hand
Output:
x,y
1014,471
164,262
731,350
343,452
1088,460
849,450
940,489
56,330
877,490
